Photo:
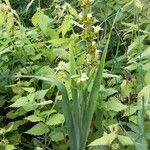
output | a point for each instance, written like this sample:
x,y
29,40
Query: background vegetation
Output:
x,y
52,55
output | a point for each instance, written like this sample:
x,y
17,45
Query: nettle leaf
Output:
x,y
29,89
55,119
56,136
131,110
38,129
36,18
20,102
145,91
116,105
34,118
124,140
126,88
40,94
41,20
66,25
9,147
105,140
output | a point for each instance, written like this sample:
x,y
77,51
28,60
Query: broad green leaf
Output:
x,y
40,94
29,89
116,105
43,23
38,129
126,87
147,78
10,127
131,110
45,71
105,140
146,66
36,18
124,140
59,41
56,136
66,25
20,102
145,91
34,118
9,147
41,20
55,119
66,108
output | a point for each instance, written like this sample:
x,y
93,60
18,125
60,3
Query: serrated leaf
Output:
x,y
34,118
131,110
55,119
38,129
9,147
66,25
124,140
41,20
20,102
30,89
36,17
56,136
116,105
145,91
40,94
105,140
126,88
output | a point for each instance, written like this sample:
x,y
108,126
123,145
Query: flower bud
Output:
x,y
83,77
89,17
80,17
91,1
97,29
97,54
93,43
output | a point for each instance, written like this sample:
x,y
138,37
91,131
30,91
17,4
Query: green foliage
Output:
x,y
74,75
